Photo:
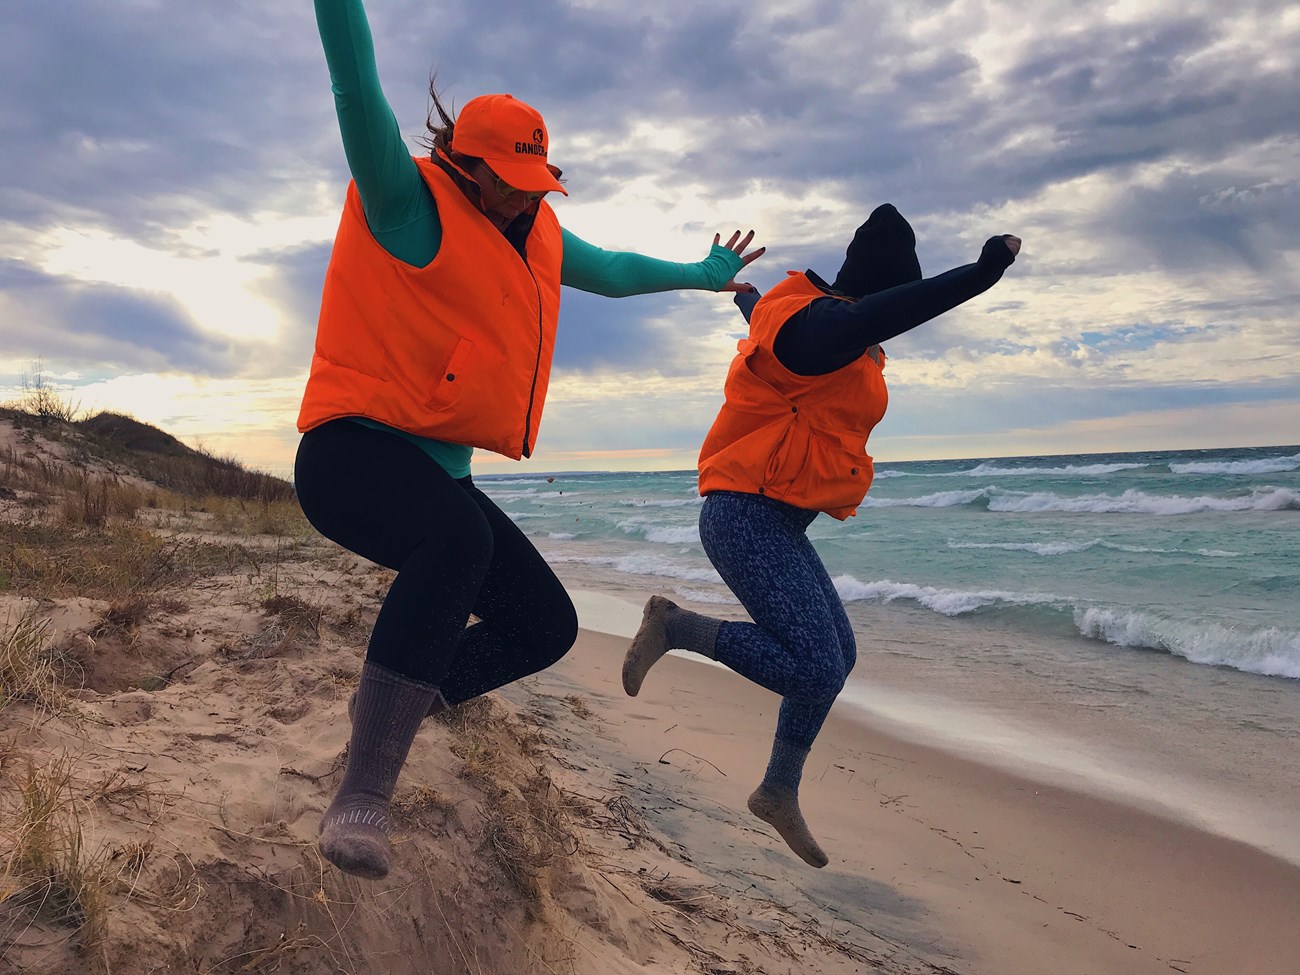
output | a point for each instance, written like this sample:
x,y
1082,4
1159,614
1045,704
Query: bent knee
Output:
x,y
820,683
850,658
557,634
566,628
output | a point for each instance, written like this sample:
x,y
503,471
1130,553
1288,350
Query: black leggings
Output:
x,y
455,553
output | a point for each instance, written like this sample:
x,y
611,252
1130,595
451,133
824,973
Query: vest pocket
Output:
x,y
838,476
788,461
810,469
455,377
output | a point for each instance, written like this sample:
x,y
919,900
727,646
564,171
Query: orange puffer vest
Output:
x,y
459,350
799,439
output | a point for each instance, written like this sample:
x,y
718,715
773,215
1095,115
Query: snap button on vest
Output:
x,y
854,472
451,377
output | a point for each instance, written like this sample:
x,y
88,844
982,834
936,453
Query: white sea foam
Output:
x,y
561,536
673,536
941,499
1271,651
522,515
643,565
1070,548
506,497
1130,502
659,502
1138,502
988,469
663,534
949,602
1070,470
723,598
1038,548
1263,465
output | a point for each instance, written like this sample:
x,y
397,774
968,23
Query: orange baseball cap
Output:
x,y
510,137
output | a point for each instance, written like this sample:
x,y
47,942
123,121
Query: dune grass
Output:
x,y
31,670
51,872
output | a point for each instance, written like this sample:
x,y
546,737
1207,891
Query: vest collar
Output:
x,y
517,231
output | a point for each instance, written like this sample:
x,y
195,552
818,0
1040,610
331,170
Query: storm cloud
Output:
x,y
1147,155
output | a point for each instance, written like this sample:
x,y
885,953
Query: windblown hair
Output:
x,y
439,138
440,132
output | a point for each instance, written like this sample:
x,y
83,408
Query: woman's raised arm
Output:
x,y
393,193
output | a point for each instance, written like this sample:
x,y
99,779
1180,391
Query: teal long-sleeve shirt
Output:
x,y
403,217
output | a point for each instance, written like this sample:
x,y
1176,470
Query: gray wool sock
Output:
x,y
785,767
691,631
387,712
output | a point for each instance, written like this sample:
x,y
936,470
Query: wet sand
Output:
x,y
956,859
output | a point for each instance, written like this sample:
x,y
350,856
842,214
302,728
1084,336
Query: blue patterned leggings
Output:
x,y
800,644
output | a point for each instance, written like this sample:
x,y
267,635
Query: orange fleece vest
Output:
x,y
799,439
458,350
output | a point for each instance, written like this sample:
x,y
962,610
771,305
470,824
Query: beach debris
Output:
x,y
664,761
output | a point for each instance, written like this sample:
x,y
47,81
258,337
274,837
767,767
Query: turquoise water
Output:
x,y
1128,623
1192,554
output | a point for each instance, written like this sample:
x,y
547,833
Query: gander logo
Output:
x,y
535,148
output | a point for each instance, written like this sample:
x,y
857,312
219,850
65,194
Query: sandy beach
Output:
x,y
964,864
174,724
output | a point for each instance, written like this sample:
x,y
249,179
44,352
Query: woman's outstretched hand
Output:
x,y
737,245
999,253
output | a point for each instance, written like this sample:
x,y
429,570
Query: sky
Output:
x,y
171,176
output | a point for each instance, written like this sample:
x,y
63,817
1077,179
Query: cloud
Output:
x,y
1146,152
103,327
134,117
1203,221
666,335
293,283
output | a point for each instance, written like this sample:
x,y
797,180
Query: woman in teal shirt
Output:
x,y
407,501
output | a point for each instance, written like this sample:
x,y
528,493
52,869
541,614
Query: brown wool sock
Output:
x,y
437,707
387,711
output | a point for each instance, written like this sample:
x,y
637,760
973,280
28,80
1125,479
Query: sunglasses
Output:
x,y
505,190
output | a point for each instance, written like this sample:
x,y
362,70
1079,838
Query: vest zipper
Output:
x,y
537,365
